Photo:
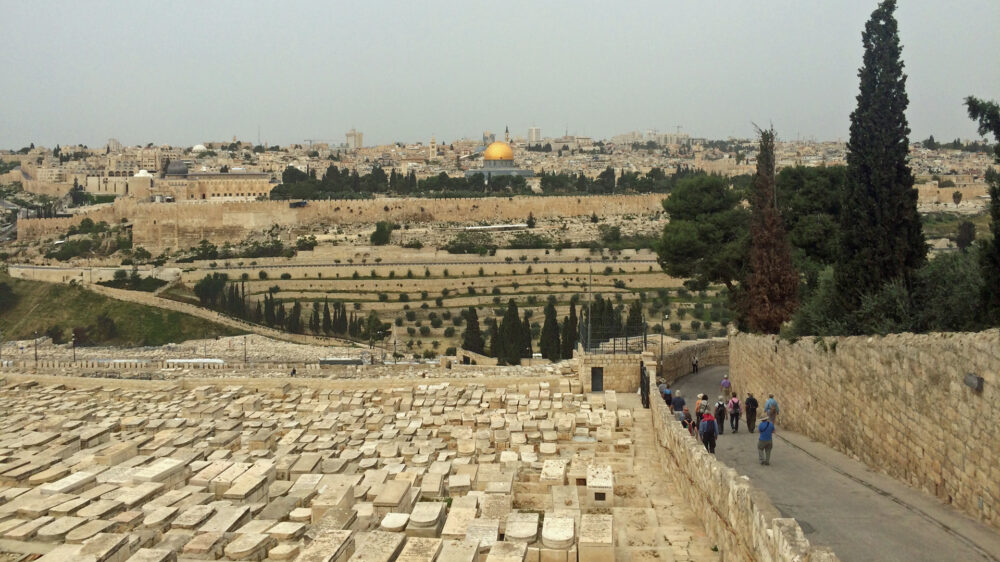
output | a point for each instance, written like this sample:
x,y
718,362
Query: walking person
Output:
x,y
765,441
726,386
694,364
720,414
666,394
751,404
709,432
771,408
734,413
677,402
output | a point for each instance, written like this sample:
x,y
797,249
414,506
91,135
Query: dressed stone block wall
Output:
x,y
898,403
621,372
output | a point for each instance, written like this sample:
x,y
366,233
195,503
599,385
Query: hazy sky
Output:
x,y
187,72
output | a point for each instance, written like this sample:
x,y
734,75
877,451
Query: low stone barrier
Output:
x,y
738,517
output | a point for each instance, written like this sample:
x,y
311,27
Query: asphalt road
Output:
x,y
841,503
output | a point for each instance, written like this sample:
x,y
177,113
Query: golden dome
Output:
x,y
498,151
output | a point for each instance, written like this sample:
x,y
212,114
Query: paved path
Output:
x,y
841,503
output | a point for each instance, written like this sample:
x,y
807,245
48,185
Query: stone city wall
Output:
x,y
182,225
899,403
738,517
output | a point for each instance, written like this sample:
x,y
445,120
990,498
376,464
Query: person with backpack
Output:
x,y
765,442
720,414
734,413
751,404
709,431
771,408
668,395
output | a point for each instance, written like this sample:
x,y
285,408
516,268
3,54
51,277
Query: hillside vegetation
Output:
x,y
30,307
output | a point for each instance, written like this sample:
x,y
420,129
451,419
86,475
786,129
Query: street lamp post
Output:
x,y
244,350
665,318
72,343
36,349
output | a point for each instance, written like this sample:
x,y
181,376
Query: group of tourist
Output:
x,y
707,422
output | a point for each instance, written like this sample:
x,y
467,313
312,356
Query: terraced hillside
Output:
x,y
423,294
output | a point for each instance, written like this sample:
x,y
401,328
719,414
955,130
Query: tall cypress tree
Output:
x,y
327,319
988,115
526,351
548,344
881,237
472,339
314,318
507,342
294,323
772,283
634,324
570,333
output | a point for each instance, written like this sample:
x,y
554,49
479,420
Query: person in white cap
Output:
x,y
726,386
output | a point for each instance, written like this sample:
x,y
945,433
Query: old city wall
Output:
x,y
40,229
898,403
182,225
738,517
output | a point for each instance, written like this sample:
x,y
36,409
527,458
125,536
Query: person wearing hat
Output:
x,y
771,408
720,414
765,442
725,387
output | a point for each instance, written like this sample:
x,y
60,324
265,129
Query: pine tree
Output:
x,y
570,333
472,339
548,343
881,237
988,115
327,320
770,290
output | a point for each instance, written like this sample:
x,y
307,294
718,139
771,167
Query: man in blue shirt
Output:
x,y
771,408
678,402
766,429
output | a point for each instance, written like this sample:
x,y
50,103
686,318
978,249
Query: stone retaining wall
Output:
x,y
898,403
677,361
738,517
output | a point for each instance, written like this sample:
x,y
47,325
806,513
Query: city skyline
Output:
x,y
400,72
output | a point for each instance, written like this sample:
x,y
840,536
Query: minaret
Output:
x,y
506,135
433,148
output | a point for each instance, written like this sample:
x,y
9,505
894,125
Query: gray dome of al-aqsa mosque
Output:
x,y
177,168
